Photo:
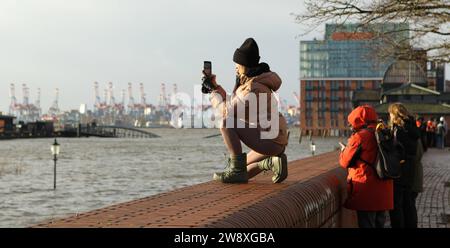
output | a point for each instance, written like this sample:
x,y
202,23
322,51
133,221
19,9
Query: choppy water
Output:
x,y
94,172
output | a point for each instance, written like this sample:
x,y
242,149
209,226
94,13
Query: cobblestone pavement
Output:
x,y
433,204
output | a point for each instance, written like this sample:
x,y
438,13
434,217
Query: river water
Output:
x,y
95,172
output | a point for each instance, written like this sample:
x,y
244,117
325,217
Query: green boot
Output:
x,y
236,170
278,165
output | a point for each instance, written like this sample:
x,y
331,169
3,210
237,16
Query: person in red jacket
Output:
x,y
370,196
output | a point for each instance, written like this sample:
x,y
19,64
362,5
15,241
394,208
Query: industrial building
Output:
x,y
342,71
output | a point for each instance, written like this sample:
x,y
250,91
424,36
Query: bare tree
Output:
x,y
428,23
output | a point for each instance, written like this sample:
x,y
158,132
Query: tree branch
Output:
x,y
427,19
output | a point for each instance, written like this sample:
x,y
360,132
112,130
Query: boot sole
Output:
x,y
284,169
218,177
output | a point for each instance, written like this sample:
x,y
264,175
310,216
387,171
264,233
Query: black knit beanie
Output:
x,y
248,54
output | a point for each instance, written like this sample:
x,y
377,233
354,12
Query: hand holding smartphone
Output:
x,y
208,80
207,68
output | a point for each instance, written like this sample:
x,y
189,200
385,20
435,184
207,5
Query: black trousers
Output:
x,y
430,139
371,219
404,214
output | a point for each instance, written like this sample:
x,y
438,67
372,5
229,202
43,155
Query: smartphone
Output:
x,y
207,68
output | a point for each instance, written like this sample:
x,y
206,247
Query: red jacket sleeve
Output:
x,y
347,154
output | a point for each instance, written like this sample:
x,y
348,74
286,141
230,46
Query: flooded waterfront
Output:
x,y
94,172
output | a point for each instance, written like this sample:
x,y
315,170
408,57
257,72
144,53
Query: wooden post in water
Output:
x,y
78,130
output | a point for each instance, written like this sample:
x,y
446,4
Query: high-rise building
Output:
x,y
331,69
436,76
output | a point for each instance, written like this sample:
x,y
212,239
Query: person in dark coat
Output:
x,y
406,132
370,196
420,123
417,186
431,132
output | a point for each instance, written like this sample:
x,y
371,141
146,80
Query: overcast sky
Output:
x,y
71,44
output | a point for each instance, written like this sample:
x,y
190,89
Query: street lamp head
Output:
x,y
55,148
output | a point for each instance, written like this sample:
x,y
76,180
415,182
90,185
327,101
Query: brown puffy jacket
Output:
x,y
267,83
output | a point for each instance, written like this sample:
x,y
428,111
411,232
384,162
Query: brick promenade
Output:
x,y
203,204
199,205
433,205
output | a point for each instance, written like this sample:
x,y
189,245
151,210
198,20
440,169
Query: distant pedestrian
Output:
x,y
441,131
445,128
370,196
406,132
417,186
420,123
431,132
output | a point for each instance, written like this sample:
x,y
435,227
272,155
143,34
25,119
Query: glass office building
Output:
x,y
339,59
347,51
331,69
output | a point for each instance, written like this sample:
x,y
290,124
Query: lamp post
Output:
x,y
55,152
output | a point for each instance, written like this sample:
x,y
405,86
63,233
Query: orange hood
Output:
x,y
363,116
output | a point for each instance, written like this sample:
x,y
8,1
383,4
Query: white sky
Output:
x,y
71,44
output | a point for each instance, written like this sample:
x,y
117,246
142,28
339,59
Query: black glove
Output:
x,y
207,86
205,90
